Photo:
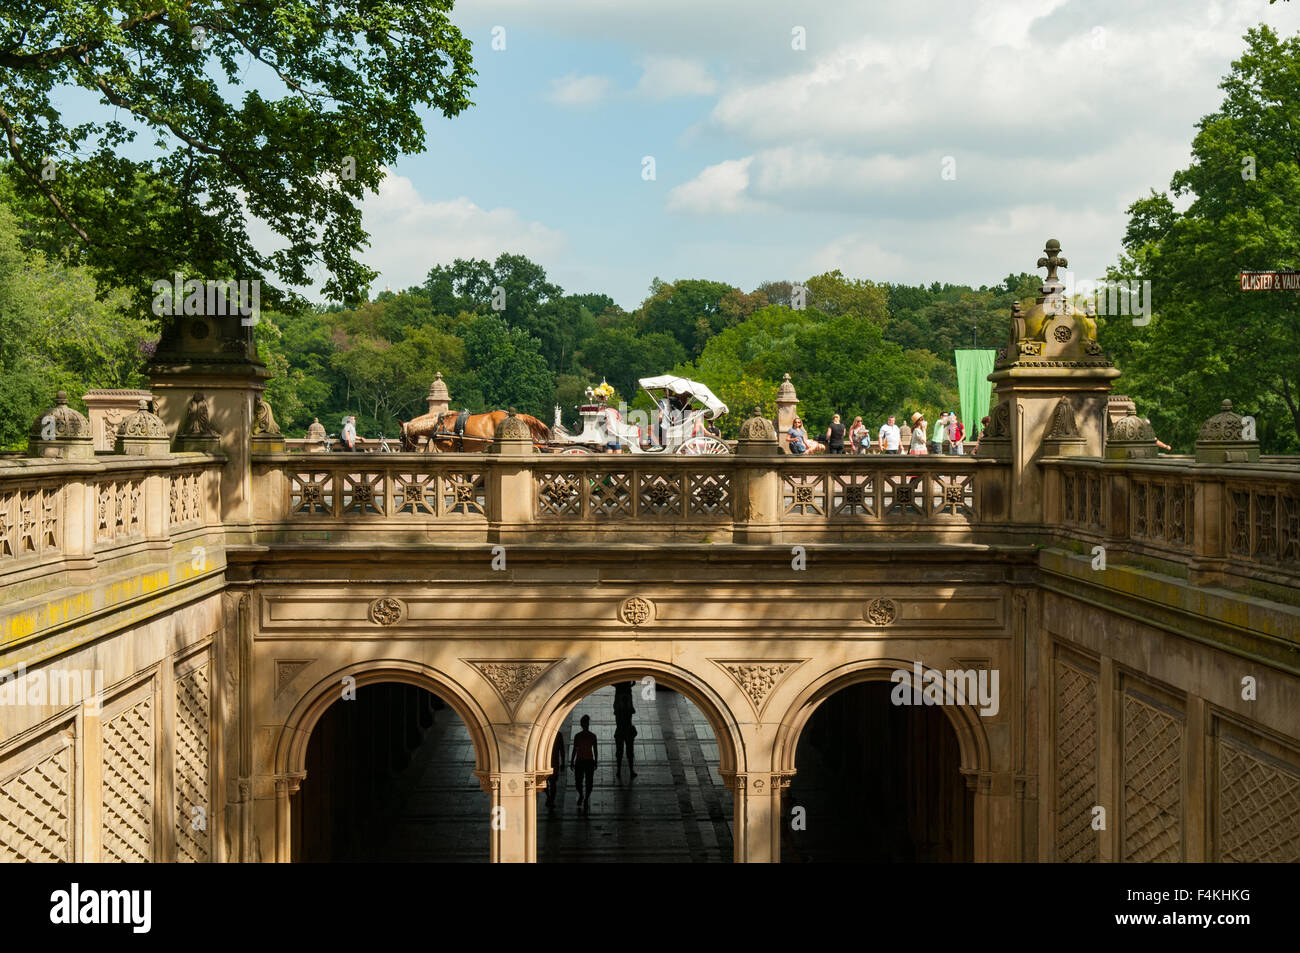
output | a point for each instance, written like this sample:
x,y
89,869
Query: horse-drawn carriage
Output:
x,y
679,424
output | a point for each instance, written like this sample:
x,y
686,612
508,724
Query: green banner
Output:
x,y
974,387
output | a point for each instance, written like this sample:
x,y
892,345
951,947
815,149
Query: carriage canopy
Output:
x,y
682,387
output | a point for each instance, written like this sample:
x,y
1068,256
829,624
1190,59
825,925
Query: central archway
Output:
x,y
688,751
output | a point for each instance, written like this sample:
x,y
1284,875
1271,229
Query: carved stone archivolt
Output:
x,y
387,611
636,610
511,677
881,611
758,678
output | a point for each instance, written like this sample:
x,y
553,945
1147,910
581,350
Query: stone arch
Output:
x,y
291,749
731,748
972,740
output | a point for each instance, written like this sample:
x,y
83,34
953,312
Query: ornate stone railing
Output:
x,y
1237,519
723,497
58,516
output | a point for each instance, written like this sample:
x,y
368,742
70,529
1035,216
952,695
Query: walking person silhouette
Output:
x,y
584,761
624,730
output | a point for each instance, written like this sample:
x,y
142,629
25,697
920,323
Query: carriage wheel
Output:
x,y
703,445
575,450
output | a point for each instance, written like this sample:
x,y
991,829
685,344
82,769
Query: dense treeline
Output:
x,y
855,347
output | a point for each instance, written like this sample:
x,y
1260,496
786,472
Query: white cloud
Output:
x,y
664,77
856,254
575,90
409,234
719,189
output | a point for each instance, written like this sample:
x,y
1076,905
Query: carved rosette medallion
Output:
x,y
881,611
757,679
387,611
636,611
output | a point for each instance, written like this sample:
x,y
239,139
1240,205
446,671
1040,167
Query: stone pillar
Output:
x,y
208,382
787,403
756,487
107,409
513,818
758,816
1052,383
510,481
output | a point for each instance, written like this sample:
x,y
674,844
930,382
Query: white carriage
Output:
x,y
678,424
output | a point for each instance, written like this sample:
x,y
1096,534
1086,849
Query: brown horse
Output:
x,y
474,436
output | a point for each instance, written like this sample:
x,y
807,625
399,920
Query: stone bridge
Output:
x,y
179,614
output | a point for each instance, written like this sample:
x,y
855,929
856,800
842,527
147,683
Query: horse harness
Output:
x,y
458,431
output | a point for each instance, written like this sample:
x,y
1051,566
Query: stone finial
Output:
x,y
513,430
438,389
61,432
143,434
316,431
1052,260
1222,439
786,391
757,429
1130,438
1225,425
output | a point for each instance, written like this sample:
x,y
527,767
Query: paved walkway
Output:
x,y
675,810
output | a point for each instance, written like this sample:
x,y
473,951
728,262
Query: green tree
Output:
x,y
508,367
288,111
1208,340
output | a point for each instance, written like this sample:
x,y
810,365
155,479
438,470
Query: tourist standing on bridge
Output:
x,y
890,436
624,730
917,443
583,760
835,435
956,434
350,437
857,433
940,434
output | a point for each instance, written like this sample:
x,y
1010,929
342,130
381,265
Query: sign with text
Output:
x,y
1270,281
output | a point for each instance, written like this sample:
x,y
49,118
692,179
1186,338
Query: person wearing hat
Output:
x,y
917,444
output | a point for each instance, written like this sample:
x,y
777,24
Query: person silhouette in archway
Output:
x,y
557,765
624,730
584,761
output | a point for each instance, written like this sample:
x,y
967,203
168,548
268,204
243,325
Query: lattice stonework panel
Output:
x,y
464,494
1289,549
363,493
803,494
710,494
8,527
193,807
659,494
1076,763
1071,490
1258,799
128,785
1239,522
611,494
1139,508
853,494
903,496
104,511
1094,501
953,495
415,493
1153,787
559,494
311,494
36,812
1264,544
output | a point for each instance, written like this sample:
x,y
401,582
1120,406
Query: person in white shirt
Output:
x,y
889,437
350,433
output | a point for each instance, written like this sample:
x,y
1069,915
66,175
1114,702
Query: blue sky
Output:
x,y
773,162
